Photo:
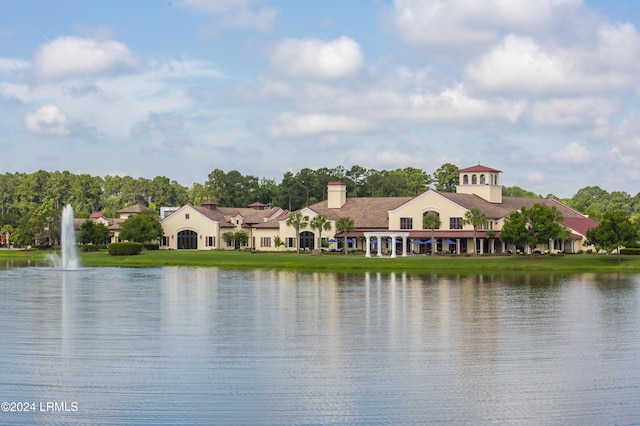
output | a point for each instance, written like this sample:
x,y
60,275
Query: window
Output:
x,y
265,242
474,180
210,241
482,180
465,180
291,242
431,212
186,215
455,223
406,223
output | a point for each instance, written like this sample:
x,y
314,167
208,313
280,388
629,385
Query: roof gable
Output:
x,y
425,196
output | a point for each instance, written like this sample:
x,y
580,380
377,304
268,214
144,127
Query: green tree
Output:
x,y
516,191
491,235
229,238
6,232
242,238
537,225
277,241
357,175
345,224
586,197
476,218
320,223
93,233
141,228
543,225
86,191
514,229
431,220
446,177
614,231
298,221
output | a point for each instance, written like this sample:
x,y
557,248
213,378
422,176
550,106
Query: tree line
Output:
x,y
30,203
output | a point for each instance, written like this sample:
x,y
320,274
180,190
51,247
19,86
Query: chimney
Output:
x,y
336,194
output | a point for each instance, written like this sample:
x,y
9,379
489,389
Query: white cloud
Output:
x,y
73,56
455,104
535,177
524,65
184,68
236,13
574,153
9,64
576,112
48,120
341,57
293,125
262,19
463,23
386,158
519,64
217,6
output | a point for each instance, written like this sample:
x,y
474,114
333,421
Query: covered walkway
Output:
x,y
388,235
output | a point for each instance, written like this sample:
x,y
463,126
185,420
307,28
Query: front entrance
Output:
x,y
187,240
307,241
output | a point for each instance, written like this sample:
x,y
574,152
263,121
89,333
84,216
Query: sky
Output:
x,y
546,91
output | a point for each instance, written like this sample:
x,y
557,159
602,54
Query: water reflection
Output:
x,y
208,346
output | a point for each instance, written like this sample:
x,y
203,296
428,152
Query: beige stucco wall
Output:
x,y
177,222
428,201
270,233
285,232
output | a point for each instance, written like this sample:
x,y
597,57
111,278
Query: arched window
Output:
x,y
430,212
474,180
465,180
482,180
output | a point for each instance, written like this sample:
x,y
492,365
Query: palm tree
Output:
x,y
431,221
297,221
476,218
320,223
491,235
345,224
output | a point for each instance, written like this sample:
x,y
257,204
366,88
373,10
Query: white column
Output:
x,y
404,245
368,244
379,239
458,246
481,241
393,246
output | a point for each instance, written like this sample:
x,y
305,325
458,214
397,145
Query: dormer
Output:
x,y
482,181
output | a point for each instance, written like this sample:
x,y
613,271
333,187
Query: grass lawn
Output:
x,y
351,262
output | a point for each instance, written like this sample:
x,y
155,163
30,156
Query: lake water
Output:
x,y
207,346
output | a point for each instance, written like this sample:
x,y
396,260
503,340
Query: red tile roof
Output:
x,y
479,168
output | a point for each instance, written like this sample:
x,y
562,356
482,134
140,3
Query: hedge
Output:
x,y
125,249
630,250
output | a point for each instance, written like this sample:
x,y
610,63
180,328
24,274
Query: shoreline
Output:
x,y
578,263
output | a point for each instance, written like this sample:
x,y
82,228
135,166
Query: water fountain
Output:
x,y
69,257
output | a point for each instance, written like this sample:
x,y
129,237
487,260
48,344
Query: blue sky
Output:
x,y
546,91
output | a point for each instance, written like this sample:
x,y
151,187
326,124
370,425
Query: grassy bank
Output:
x,y
353,262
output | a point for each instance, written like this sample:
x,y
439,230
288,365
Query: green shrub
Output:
x,y
152,246
89,247
630,250
125,249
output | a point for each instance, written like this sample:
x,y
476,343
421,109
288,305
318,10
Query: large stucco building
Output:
x,y
383,225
